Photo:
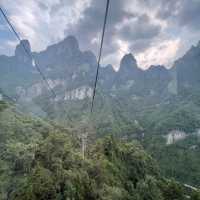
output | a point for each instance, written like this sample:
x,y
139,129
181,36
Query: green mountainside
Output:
x,y
180,160
42,161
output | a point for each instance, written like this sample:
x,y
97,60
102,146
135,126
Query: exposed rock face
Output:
x,y
172,85
174,136
128,69
56,82
79,93
30,93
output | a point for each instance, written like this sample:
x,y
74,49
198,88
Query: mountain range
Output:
x,y
70,73
70,70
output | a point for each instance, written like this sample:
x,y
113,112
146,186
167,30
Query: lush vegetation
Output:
x,y
3,106
40,161
180,160
19,136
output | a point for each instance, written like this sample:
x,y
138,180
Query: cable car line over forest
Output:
x,y
100,54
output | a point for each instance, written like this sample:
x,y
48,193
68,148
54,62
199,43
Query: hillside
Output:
x,y
19,136
40,161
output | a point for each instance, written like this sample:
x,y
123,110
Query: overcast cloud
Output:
x,y
155,31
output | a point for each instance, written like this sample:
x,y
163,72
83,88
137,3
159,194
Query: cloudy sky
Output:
x,y
154,31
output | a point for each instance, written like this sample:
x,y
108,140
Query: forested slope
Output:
x,y
40,161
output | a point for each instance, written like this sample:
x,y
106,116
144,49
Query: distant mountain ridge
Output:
x,y
71,72
65,60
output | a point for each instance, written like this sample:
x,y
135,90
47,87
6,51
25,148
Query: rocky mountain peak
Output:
x,y
67,47
70,42
20,52
128,62
110,67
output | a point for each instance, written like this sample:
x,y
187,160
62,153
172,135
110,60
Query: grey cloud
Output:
x,y
42,6
62,3
141,28
140,45
168,8
93,16
180,13
90,26
138,34
189,14
110,47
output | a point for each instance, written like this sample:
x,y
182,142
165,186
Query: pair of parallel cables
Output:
x,y
38,68
29,54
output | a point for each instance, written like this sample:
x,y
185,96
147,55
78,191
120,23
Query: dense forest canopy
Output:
x,y
40,160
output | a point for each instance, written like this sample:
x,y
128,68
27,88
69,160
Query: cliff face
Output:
x,y
188,70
